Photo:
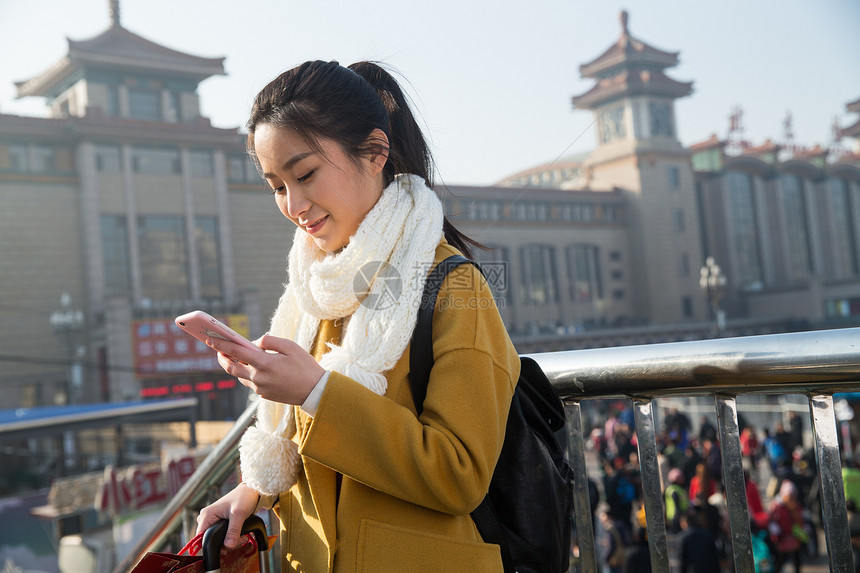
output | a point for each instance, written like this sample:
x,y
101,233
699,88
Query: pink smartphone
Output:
x,y
201,326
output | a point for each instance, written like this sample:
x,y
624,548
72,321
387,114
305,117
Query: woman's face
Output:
x,y
325,193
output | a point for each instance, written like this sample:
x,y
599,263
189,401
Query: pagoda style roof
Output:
x,y
852,130
630,67
853,105
713,142
120,49
627,51
767,147
632,82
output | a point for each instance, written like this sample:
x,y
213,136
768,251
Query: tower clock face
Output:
x,y
661,119
612,126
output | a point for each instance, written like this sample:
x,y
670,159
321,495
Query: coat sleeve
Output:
x,y
443,460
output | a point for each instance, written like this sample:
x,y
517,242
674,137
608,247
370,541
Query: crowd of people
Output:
x,y
781,490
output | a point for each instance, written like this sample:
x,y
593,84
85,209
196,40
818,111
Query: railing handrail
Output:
x,y
797,362
817,363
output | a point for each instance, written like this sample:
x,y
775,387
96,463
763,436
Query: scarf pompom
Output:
x,y
269,462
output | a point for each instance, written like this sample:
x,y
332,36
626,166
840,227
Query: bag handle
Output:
x,y
213,540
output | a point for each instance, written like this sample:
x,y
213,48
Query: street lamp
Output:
x,y
713,282
67,323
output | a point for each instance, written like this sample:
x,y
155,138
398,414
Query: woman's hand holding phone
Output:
x,y
275,368
285,373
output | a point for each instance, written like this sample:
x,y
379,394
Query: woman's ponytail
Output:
x,y
408,150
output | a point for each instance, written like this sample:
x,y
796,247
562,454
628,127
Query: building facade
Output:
x,y
126,207
123,209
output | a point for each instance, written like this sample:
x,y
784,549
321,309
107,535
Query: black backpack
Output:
x,y
529,507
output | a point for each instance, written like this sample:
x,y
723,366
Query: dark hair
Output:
x,y
324,100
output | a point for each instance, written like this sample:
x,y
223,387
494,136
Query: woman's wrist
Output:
x,y
259,495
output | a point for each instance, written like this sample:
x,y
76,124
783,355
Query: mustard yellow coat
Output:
x,y
384,491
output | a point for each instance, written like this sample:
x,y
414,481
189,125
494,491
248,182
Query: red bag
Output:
x,y
206,553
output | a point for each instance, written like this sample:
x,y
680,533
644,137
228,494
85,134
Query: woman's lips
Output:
x,y
316,225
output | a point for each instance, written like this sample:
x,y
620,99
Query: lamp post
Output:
x,y
68,323
713,282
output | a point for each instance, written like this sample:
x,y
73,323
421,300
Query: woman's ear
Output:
x,y
377,141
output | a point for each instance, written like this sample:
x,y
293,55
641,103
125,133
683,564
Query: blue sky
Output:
x,y
492,81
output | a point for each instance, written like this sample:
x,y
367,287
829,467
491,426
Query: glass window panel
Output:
x,y
495,264
200,163
43,159
112,101
235,169
539,275
743,240
163,259
208,257
108,159
794,205
155,161
144,104
674,177
115,259
844,249
13,157
583,268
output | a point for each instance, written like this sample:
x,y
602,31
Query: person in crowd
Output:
x,y
359,480
639,554
786,527
757,511
676,501
699,552
673,453
619,491
598,442
614,543
795,430
854,531
707,430
702,483
784,438
750,447
851,482
713,459
692,459
609,426
678,426
774,449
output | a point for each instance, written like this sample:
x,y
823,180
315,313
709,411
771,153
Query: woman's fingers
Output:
x,y
207,518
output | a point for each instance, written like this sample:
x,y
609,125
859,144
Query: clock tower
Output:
x,y
638,151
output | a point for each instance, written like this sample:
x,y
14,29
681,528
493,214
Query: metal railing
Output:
x,y
816,364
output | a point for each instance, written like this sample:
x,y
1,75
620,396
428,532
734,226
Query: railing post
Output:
x,y
646,437
581,500
733,478
832,489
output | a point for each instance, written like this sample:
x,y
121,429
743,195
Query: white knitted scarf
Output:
x,y
386,261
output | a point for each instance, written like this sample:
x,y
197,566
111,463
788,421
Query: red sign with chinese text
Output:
x,y
162,348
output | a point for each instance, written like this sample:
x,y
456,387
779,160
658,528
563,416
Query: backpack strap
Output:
x,y
420,364
421,349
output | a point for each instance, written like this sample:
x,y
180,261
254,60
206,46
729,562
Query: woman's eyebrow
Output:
x,y
290,162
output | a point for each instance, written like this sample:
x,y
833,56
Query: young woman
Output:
x,y
359,481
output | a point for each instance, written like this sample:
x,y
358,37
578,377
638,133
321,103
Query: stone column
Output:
x,y
225,230
131,221
190,225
